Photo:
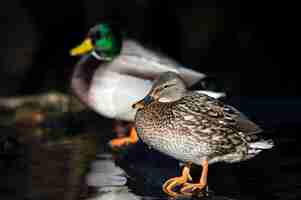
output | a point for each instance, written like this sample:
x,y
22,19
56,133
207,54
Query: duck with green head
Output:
x,y
114,71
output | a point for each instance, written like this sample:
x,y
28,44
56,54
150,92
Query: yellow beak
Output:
x,y
83,48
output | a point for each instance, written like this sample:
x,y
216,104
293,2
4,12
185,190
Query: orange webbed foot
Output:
x,y
170,184
131,139
189,188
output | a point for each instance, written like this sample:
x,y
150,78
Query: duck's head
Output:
x,y
103,41
168,87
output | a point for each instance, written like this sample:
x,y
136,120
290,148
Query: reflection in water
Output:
x,y
109,179
104,173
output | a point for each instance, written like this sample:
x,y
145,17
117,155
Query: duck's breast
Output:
x,y
112,94
162,130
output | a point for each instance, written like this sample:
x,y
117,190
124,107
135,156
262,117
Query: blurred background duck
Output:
x,y
115,71
194,128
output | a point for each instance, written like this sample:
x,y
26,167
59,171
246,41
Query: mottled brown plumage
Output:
x,y
193,127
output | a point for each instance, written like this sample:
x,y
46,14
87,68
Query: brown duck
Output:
x,y
194,128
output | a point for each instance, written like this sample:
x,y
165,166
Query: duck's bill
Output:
x,y
139,104
142,103
85,47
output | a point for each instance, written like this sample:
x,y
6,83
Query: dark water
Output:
x,y
82,166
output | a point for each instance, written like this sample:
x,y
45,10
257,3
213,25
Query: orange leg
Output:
x,y
188,188
177,181
131,139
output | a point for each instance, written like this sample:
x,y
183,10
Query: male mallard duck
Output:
x,y
114,72
194,128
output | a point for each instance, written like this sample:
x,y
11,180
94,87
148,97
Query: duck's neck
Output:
x,y
83,74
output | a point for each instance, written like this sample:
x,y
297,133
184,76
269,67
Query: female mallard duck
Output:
x,y
194,128
114,72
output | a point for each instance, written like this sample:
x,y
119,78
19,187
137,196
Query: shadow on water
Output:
x,y
67,157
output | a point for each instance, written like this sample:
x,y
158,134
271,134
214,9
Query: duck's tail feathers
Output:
x,y
260,145
213,94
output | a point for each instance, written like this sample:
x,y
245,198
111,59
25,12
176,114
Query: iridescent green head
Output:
x,y
103,41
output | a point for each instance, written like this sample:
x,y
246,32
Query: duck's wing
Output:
x,y
138,61
218,112
240,121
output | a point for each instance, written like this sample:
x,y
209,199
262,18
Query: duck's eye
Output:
x,y
166,86
97,35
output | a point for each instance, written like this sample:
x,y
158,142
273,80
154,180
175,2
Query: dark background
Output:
x,y
246,45
249,46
